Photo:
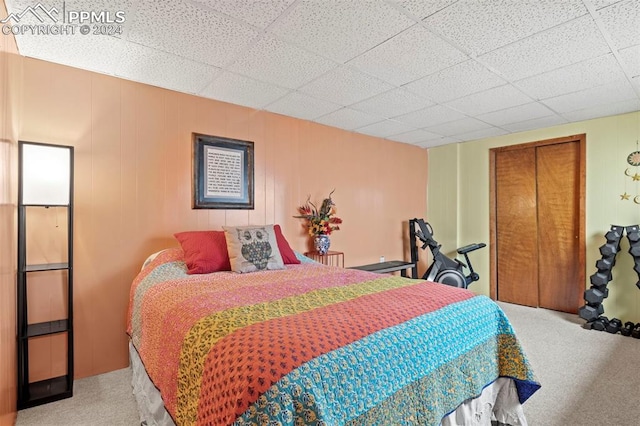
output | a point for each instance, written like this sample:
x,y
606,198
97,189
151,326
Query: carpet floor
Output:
x,y
587,377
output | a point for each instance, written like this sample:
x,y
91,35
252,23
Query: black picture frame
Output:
x,y
222,173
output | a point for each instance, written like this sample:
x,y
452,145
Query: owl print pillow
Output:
x,y
252,248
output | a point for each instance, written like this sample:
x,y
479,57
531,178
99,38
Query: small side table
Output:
x,y
386,267
332,258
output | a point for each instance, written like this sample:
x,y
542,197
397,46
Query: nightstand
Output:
x,y
332,258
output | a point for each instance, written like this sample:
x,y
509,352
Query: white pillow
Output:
x,y
150,259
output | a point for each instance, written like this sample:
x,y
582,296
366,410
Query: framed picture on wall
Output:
x,y
222,173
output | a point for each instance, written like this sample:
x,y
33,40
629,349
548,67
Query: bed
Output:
x,y
319,345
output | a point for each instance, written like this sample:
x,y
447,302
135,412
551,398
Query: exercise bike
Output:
x,y
443,270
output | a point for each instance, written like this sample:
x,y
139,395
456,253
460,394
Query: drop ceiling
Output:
x,y
422,72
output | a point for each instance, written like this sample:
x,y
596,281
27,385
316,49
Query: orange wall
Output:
x,y
8,190
133,184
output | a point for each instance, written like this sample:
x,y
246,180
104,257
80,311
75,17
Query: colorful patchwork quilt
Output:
x,y
316,345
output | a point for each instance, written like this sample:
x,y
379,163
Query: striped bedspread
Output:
x,y
316,345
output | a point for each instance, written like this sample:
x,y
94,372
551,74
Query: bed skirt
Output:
x,y
497,404
150,406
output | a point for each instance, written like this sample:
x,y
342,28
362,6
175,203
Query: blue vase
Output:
x,y
321,243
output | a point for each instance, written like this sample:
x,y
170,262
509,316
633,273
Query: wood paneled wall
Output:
x,y
8,191
133,184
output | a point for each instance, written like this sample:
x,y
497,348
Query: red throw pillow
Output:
x,y
288,256
204,251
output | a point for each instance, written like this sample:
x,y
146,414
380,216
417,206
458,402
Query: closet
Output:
x,y
537,218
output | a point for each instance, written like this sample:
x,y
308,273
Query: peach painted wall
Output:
x,y
8,193
133,185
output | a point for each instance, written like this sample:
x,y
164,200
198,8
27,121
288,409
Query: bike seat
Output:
x,y
471,247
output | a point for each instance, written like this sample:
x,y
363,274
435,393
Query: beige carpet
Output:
x,y
588,378
103,400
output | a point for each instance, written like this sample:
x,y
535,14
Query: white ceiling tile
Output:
x,y
456,81
517,114
348,119
536,123
93,52
281,63
631,59
458,127
490,100
150,66
408,56
300,105
599,4
594,97
385,128
603,110
421,9
415,136
96,5
481,134
430,116
340,30
392,102
438,142
622,21
566,44
241,90
258,13
583,75
480,26
184,29
16,7
345,86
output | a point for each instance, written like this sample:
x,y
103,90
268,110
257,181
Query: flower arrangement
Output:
x,y
321,221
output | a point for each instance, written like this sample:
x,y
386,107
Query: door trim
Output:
x,y
582,180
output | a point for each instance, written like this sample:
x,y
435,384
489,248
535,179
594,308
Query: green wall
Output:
x,y
458,198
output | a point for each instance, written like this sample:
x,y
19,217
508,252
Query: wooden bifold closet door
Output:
x,y
539,261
